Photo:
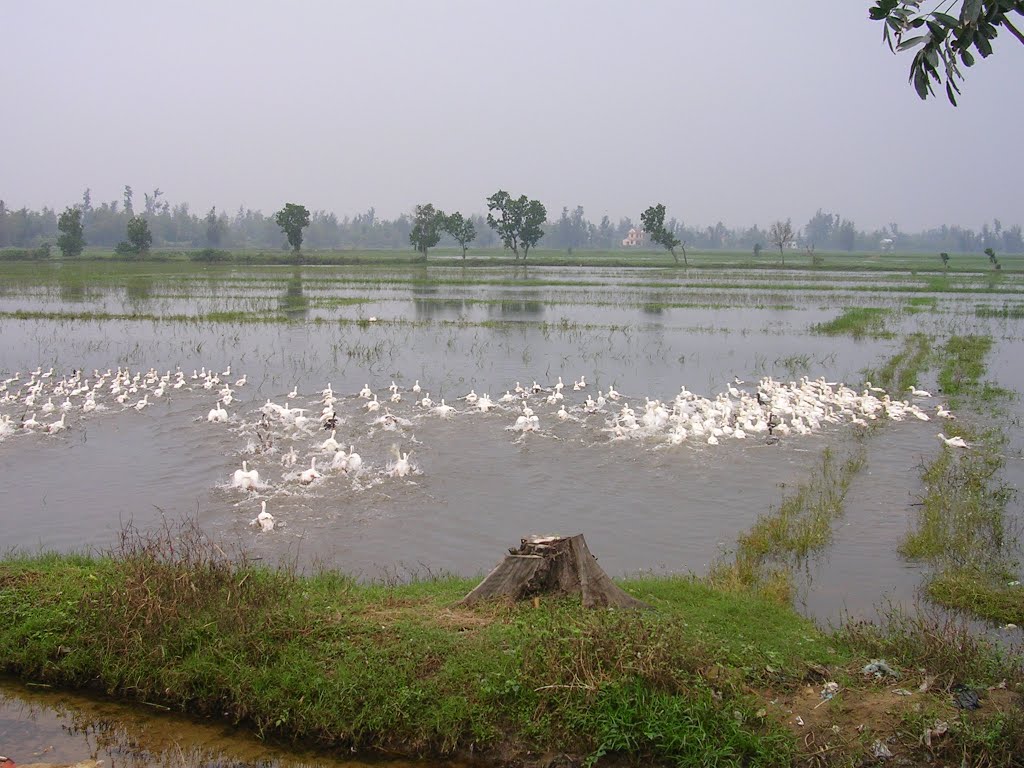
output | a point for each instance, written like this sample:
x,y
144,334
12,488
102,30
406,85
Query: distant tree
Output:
x,y
757,249
128,201
86,205
781,235
462,229
72,234
944,40
152,204
426,228
292,219
945,259
215,227
846,235
653,220
820,229
520,223
139,236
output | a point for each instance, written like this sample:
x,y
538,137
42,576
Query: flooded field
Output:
x,y
477,486
449,491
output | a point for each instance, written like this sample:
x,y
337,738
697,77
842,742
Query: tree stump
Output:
x,y
554,565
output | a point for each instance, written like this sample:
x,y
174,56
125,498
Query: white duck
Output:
x,y
217,414
309,475
954,442
245,478
264,520
330,444
401,467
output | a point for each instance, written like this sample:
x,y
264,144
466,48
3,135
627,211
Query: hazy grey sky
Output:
x,y
745,111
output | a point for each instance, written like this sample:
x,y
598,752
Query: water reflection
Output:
x,y
138,289
428,308
60,727
294,303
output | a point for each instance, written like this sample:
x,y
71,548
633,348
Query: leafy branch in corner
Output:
x,y
944,40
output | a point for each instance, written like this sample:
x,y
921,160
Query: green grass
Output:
x,y
961,515
904,367
1008,311
170,618
788,535
857,322
962,370
400,667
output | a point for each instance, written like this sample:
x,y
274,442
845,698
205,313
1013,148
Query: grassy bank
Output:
x,y
706,677
924,263
961,528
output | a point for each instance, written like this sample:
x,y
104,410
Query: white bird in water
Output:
x,y
294,393
264,519
217,414
416,387
309,475
355,461
290,458
245,478
401,467
954,442
330,444
366,393
442,410
942,412
918,392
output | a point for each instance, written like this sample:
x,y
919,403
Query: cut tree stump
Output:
x,y
553,565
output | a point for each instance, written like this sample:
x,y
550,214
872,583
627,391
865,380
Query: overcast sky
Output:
x,y
743,112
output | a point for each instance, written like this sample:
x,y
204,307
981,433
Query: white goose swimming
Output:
x,y
245,478
264,520
954,442
309,475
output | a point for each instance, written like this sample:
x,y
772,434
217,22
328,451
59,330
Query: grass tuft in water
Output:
x,y
857,322
905,367
801,526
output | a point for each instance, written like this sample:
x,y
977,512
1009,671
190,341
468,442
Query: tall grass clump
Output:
x,y
963,368
788,535
903,369
857,322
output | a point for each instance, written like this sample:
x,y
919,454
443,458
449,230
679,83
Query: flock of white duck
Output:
x,y
39,402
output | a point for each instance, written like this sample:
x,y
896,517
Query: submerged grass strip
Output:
x,y
961,528
903,369
801,526
857,322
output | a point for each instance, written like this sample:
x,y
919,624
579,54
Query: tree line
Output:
x,y
128,228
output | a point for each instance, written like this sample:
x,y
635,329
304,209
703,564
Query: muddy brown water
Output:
x,y
643,505
41,725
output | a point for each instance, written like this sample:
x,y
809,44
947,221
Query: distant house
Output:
x,y
886,244
635,238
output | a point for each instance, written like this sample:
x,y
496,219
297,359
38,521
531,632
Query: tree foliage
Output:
x,y
520,223
461,229
292,219
781,235
72,233
653,220
944,40
139,236
426,228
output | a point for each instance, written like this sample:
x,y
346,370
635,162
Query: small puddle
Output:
x,y
41,725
